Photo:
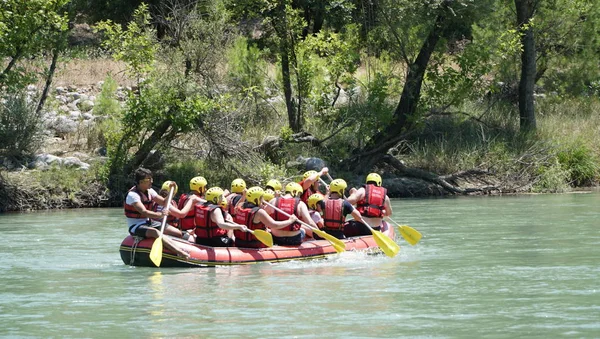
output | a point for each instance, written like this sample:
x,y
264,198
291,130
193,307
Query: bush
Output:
x,y
581,164
20,126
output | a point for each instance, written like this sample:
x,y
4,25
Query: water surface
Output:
x,y
494,267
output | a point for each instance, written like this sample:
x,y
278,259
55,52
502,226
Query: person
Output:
x,y
211,227
373,203
310,183
269,194
138,211
291,204
316,205
254,217
275,186
197,189
336,210
237,187
174,212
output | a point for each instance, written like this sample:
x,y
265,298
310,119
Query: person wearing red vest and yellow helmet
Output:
x,y
310,183
372,202
291,204
197,189
237,188
255,217
211,226
316,206
336,209
174,212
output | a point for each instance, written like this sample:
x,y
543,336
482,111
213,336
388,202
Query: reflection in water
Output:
x,y
158,294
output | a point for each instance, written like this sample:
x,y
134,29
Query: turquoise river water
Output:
x,y
487,267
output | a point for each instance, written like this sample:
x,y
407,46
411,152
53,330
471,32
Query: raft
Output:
x,y
136,252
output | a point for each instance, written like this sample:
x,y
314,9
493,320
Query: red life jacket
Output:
x,y
245,216
171,219
306,193
187,222
289,206
373,203
232,199
205,227
130,211
334,217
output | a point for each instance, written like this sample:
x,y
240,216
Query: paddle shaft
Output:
x,y
167,205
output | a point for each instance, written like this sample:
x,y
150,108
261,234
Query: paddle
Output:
x,y
338,245
411,235
387,245
157,246
262,235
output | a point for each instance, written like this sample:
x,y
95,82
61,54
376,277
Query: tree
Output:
x,y
28,29
408,26
525,12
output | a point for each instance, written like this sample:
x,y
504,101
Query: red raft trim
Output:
x,y
137,254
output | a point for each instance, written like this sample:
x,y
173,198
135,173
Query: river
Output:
x,y
493,267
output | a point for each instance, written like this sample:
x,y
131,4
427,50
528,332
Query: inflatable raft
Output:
x,y
136,252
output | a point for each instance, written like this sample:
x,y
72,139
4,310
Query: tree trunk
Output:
x,y
148,145
525,11
284,50
49,77
407,106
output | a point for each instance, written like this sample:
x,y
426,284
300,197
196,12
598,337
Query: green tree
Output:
x,y
28,29
164,105
414,31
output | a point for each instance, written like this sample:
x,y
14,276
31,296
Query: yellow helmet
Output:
x,y
314,199
167,186
308,174
269,195
374,177
214,195
254,194
275,184
293,188
223,204
238,185
197,184
338,186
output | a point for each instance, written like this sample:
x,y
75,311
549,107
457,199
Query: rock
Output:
x,y
86,105
87,116
315,164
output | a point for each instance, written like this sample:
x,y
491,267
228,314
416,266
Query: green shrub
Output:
x,y
581,163
20,126
552,179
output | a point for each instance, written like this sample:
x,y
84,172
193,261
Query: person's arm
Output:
x,y
356,196
180,213
217,217
306,183
388,207
265,218
147,213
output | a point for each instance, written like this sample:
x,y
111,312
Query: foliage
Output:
x,y
581,164
28,29
107,103
20,126
136,45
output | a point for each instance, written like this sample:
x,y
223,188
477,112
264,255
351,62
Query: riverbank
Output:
x,y
478,153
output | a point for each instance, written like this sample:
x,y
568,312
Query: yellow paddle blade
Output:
x,y
156,251
338,245
387,245
264,237
411,235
